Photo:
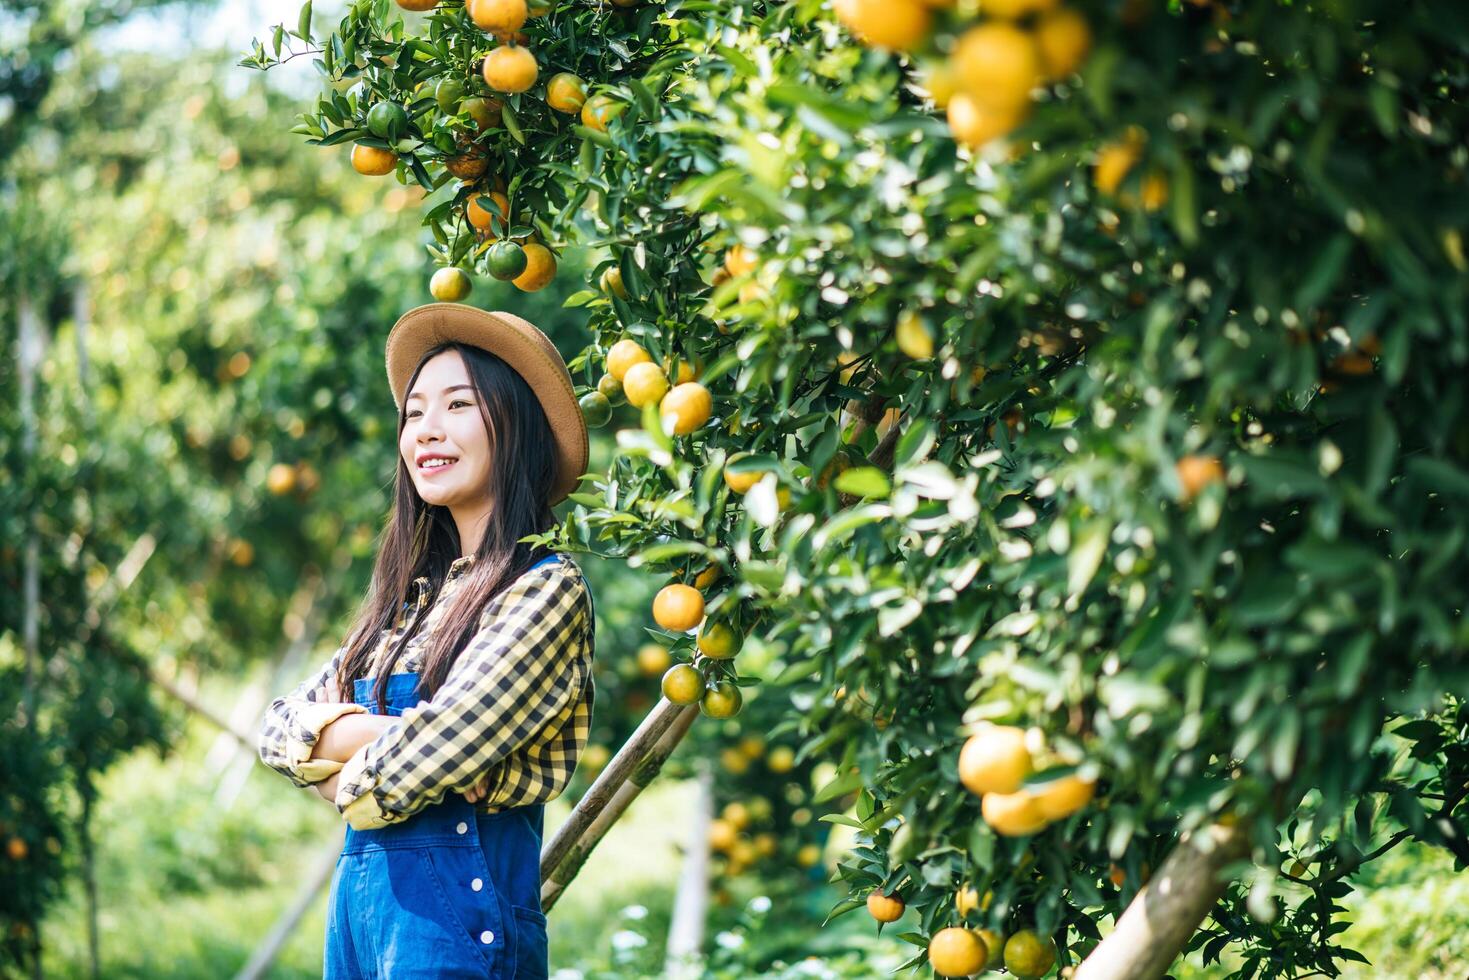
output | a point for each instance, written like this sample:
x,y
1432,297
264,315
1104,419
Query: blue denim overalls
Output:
x,y
446,893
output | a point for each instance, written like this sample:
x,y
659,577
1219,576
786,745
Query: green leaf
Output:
x,y
863,481
303,23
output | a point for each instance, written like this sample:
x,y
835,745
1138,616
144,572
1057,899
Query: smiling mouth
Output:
x,y
436,465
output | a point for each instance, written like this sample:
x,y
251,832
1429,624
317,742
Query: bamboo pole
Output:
x,y
1159,921
632,769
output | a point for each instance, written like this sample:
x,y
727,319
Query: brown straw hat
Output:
x,y
519,344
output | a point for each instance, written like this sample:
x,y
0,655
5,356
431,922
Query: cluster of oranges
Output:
x,y
679,608
993,765
959,951
986,81
633,377
508,68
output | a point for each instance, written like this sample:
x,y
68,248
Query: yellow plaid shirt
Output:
x,y
516,706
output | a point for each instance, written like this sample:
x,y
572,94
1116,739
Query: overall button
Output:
x,y
487,937
476,884
463,828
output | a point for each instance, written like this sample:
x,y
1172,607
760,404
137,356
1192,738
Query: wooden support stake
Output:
x,y
1163,916
632,769
691,901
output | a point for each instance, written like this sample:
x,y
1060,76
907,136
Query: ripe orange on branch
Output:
x,y
644,384
373,161
510,68
898,25
719,640
484,219
1029,955
956,952
1012,814
498,17
678,608
1060,798
450,285
994,760
688,406
722,700
884,908
622,355
598,111
997,64
1197,472
540,268
566,92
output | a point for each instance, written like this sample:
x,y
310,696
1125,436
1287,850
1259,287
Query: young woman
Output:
x,y
462,697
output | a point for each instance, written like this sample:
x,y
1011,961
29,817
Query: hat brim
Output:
x,y
519,344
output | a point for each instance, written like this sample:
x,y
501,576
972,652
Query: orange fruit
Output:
x,y
1012,814
1060,798
808,856
974,123
994,760
678,608
997,64
1015,9
722,836
623,355
450,285
739,260
719,640
722,700
595,408
485,112
644,384
373,161
898,25
682,684
653,659
913,336
418,6
684,372
510,68
566,92
734,761
736,814
483,218
611,283
741,483
940,82
598,111
1153,193
966,900
884,908
499,17
1064,41
1115,159
782,759
956,952
540,268
1028,955
17,849
281,479
1197,472
686,408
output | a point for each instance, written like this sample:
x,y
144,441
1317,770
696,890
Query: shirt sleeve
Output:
x,y
517,674
293,723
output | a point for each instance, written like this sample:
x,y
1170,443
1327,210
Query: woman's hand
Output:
x,y
478,791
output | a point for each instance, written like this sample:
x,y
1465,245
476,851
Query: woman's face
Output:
x,y
444,442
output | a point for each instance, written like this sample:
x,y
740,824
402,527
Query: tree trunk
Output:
x,y
1165,914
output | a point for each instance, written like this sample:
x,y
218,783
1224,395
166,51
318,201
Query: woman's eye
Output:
x,y
458,401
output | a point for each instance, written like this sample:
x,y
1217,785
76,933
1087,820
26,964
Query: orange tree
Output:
x,y
1073,393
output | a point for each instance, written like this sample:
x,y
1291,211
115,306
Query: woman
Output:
x,y
469,667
